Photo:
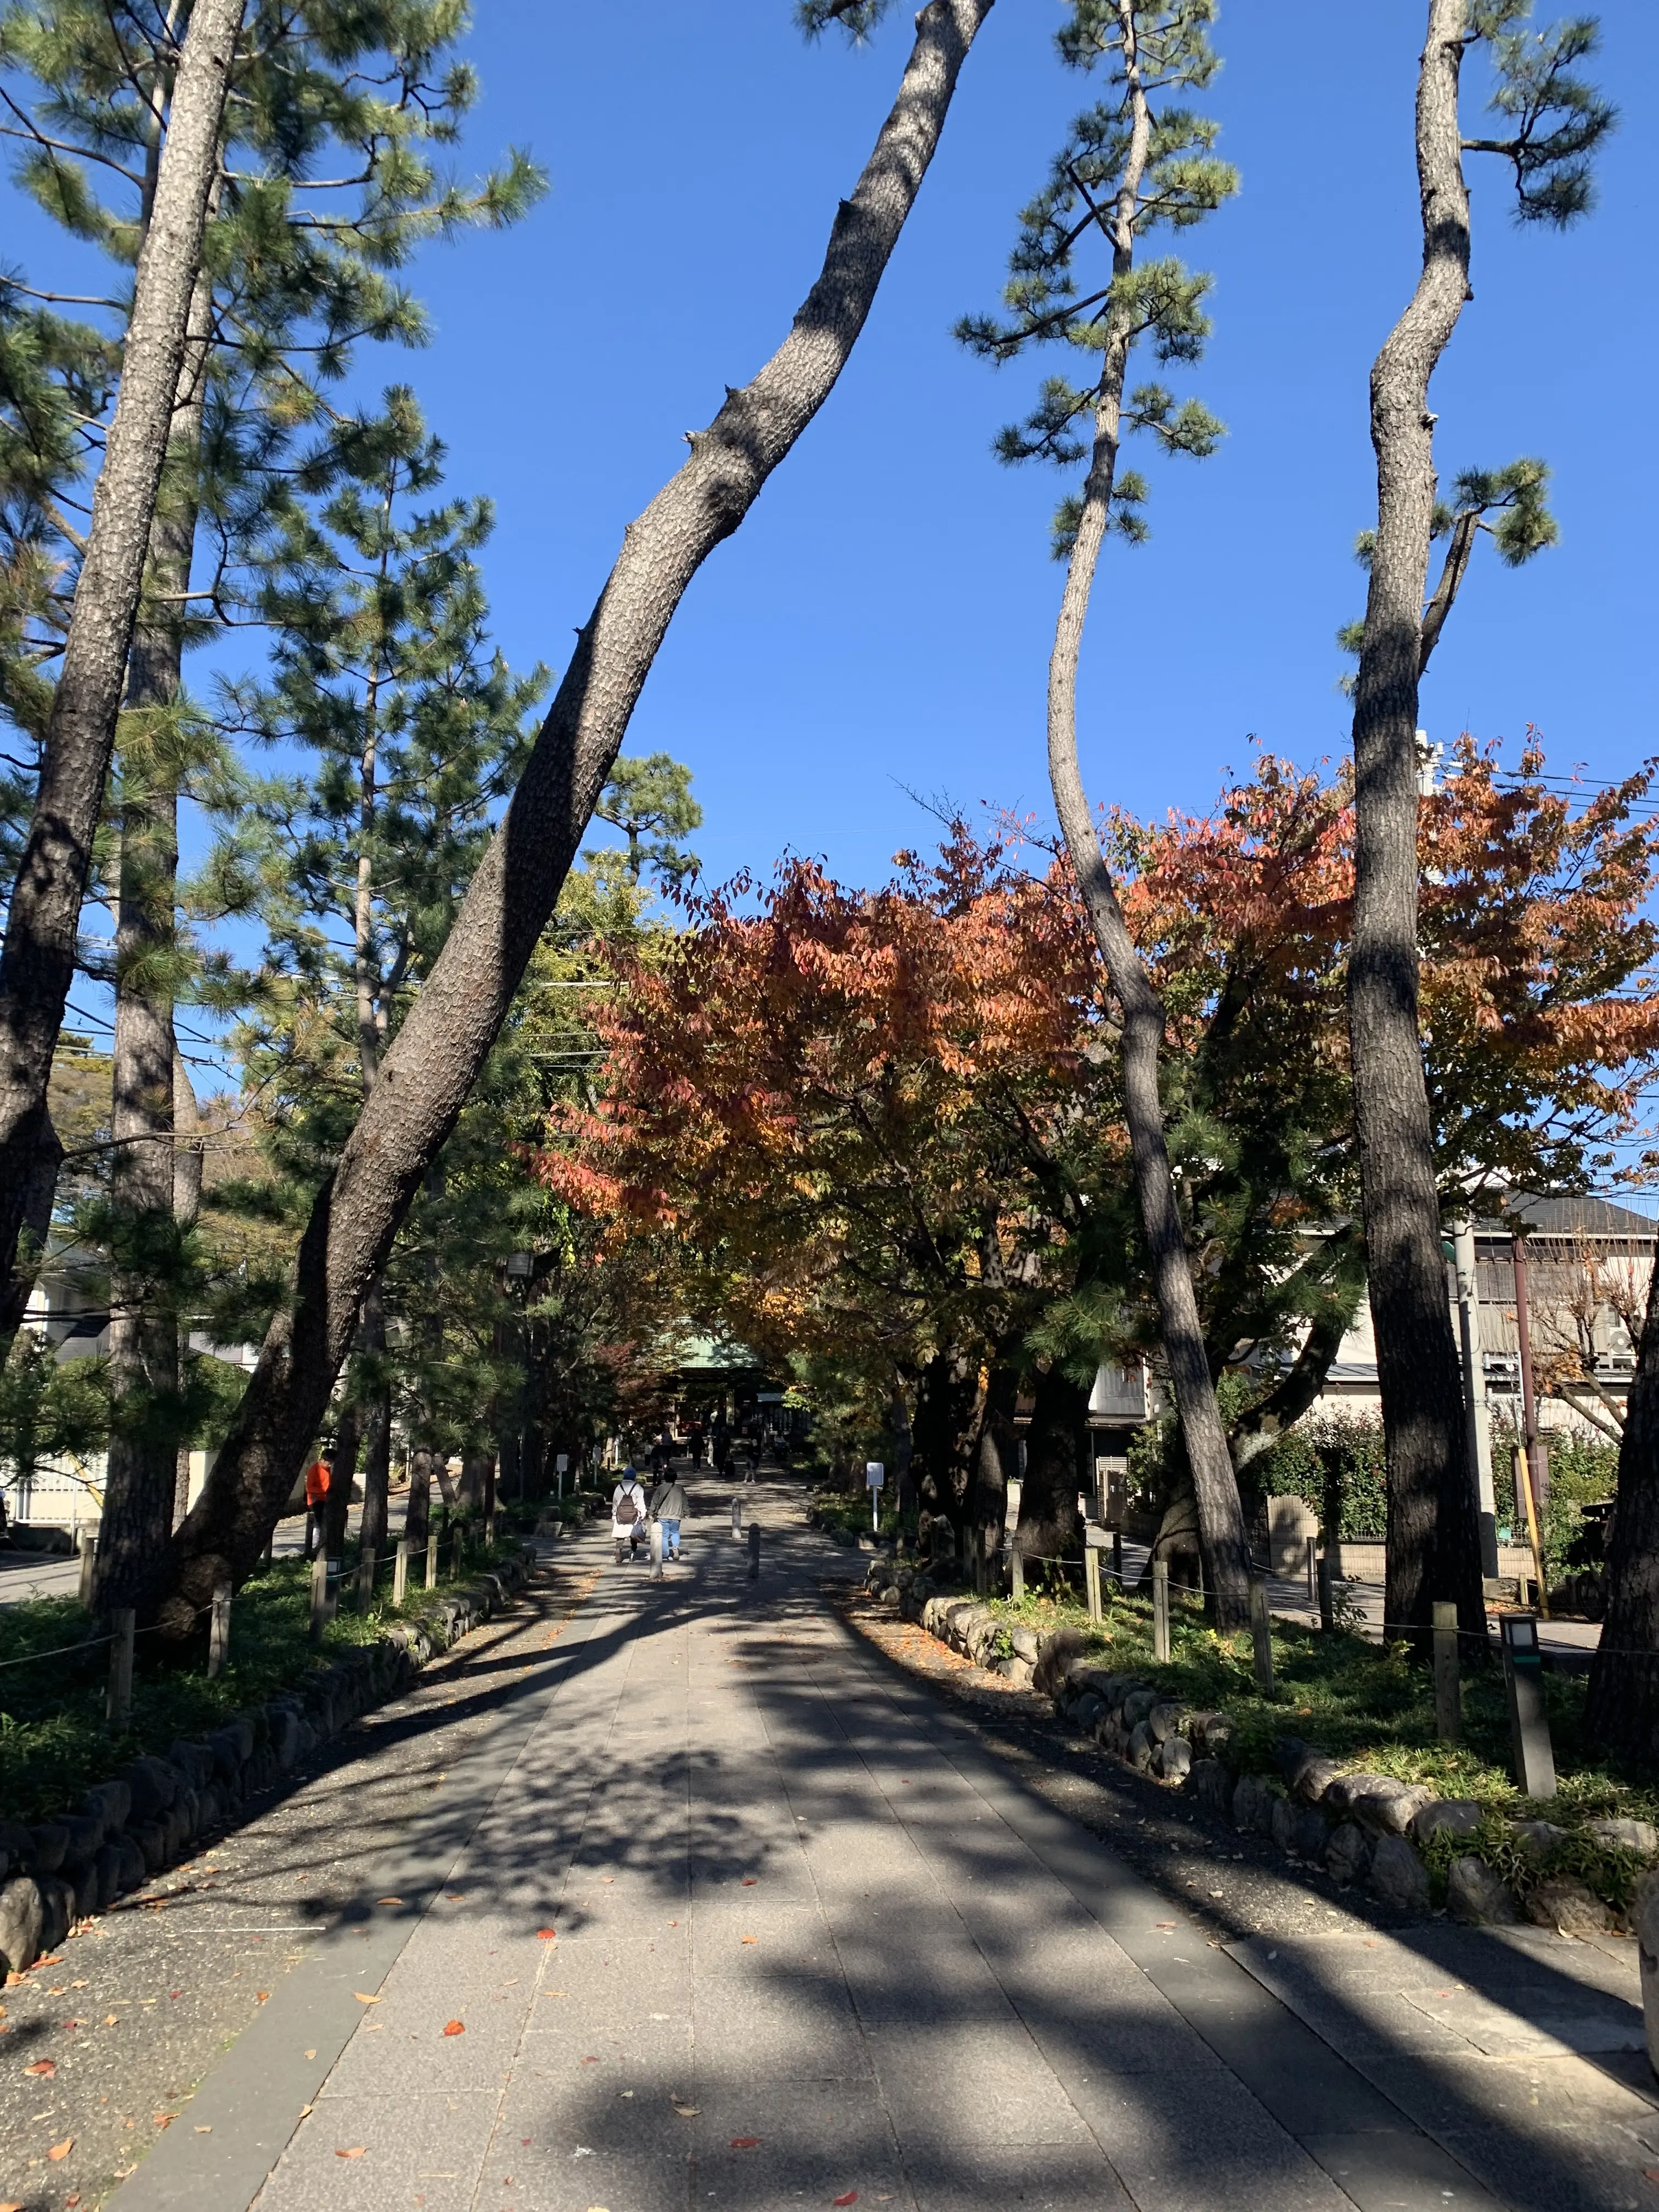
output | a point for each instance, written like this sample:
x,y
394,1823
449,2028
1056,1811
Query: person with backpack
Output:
x,y
669,1507
628,1512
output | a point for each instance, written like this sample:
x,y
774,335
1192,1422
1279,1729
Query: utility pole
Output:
x,y
1474,1392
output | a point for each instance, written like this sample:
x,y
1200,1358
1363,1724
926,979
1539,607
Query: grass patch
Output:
x,y
1365,1704
846,1514
53,1740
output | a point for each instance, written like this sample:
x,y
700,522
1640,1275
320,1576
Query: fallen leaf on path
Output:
x,y
751,1939
1166,1923
261,1996
851,2197
112,2020
590,2062
62,2149
363,1997
749,1881
455,2027
388,1900
357,2151
204,2131
11,2207
44,2068
548,1935
685,2112
745,2143
311,2054
164,2119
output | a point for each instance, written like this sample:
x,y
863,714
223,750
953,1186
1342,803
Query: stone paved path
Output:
x,y
745,1920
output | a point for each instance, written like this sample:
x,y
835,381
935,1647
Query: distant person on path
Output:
x,y
668,1506
317,1478
693,1441
628,1512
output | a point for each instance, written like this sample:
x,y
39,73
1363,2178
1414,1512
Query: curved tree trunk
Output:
x,y
427,1073
1434,1534
38,958
1221,1525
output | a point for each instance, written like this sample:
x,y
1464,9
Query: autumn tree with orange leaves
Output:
x,y
881,1131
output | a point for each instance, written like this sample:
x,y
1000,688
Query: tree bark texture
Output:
x,y
1621,1714
1055,1459
1221,1525
427,1071
143,1480
1434,1539
417,1517
38,957
377,1427
39,1190
342,1473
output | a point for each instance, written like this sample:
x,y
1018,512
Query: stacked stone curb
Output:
x,y
1370,1829
154,1811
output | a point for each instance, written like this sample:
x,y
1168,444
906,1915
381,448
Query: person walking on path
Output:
x,y
628,1512
316,1480
668,1506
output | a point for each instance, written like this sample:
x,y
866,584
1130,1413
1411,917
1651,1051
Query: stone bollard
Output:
x,y
1447,1700
117,1705
1261,1636
219,1629
656,1550
736,1516
753,1551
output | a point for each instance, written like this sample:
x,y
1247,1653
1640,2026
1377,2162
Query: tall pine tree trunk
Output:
x,y
1434,1537
144,1368
40,1191
187,1163
1055,1443
1220,1521
1621,1714
429,1071
377,1426
38,958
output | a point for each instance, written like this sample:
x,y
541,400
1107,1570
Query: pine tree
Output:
x,y
1553,122
448,1037
1134,162
296,267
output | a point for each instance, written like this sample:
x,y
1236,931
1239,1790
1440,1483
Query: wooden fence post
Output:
x,y
1448,1703
219,1627
1161,1610
88,1545
1326,1595
1092,1579
1016,1571
118,1705
400,1572
1262,1632
320,1606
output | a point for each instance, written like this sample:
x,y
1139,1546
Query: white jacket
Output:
x,y
625,1531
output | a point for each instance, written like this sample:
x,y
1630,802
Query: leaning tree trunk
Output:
x,y
1622,1711
1220,1521
1434,1535
144,1443
38,957
427,1073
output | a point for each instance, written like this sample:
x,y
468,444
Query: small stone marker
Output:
x,y
1448,1701
1530,1727
736,1516
118,1707
1161,1612
656,1550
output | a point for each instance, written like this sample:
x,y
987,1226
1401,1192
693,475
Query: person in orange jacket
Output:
x,y
317,1481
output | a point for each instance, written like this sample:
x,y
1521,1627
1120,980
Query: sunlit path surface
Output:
x,y
730,1915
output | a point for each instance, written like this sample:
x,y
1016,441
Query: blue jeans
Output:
x,y
670,1538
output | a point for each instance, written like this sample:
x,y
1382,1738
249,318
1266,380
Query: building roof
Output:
x,y
1574,1214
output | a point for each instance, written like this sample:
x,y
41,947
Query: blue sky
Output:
x,y
882,619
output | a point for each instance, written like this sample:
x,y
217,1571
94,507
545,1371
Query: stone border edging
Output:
x,y
1356,1826
151,1813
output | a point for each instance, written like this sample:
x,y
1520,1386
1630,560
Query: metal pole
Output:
x,y
1536,1464
400,1572
1448,1702
117,1705
1477,1413
219,1632
1161,1610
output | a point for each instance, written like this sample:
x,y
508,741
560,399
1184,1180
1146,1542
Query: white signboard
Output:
x,y
874,1474
561,1462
